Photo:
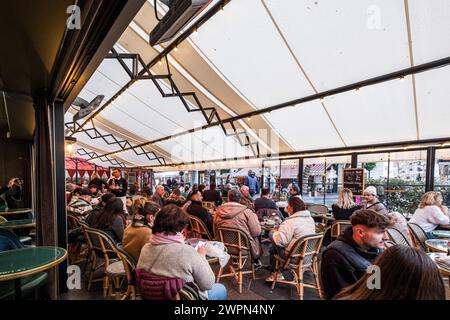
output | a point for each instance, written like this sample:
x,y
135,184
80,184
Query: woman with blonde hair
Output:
x,y
344,206
429,214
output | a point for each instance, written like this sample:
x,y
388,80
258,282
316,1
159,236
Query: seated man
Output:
x,y
346,260
212,195
299,224
372,202
264,202
81,205
196,209
246,198
235,215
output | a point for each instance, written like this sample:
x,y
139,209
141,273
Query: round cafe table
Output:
x,y
18,263
17,224
442,269
436,245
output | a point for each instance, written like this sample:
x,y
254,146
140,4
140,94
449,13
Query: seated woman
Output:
x,y
429,214
167,255
111,219
196,209
406,273
139,232
297,225
176,198
344,206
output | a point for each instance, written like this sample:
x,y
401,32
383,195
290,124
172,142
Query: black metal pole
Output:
x,y
300,175
354,160
431,160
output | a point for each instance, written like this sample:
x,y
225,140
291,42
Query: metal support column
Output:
x,y
431,159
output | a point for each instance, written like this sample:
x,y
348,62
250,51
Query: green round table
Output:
x,y
15,211
443,234
17,224
18,263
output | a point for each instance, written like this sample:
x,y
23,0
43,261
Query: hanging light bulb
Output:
x,y
175,49
160,62
322,100
357,90
221,11
195,32
402,79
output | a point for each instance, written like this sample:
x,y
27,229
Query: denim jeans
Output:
x,y
217,292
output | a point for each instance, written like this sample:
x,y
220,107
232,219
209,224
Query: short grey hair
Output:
x,y
244,187
234,195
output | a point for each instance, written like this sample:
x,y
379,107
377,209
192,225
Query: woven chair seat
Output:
x,y
116,269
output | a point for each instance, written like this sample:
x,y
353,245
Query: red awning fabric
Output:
x,y
72,164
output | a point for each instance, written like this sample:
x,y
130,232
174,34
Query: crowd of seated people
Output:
x,y
156,240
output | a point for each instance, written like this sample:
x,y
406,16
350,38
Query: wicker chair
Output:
x,y
238,247
120,271
101,247
389,243
301,257
397,237
198,228
3,219
338,227
419,236
74,249
318,208
210,206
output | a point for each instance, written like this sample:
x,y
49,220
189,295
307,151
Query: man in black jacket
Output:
x,y
264,202
196,209
212,195
346,260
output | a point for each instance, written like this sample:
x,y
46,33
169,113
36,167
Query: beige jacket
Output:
x,y
238,216
293,228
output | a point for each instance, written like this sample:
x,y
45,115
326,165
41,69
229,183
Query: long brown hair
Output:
x,y
406,273
105,218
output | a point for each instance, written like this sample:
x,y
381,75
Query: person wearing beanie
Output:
x,y
372,202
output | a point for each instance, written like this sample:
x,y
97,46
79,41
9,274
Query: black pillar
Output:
x,y
300,175
354,160
431,159
60,197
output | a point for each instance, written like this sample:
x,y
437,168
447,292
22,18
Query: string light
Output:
x,y
357,90
249,119
176,49
322,100
160,62
195,32
402,79
221,11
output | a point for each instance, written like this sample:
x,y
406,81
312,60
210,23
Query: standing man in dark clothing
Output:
x,y
252,182
346,260
119,186
212,195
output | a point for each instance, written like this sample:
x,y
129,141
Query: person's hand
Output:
x,y
202,251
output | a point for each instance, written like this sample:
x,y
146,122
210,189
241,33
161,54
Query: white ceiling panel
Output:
x,y
340,42
377,114
430,29
305,127
244,45
433,96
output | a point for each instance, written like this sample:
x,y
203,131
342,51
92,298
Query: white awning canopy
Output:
x,y
260,53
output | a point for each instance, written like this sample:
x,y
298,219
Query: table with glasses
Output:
x,y
18,224
24,262
437,245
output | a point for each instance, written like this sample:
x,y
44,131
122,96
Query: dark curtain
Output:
x,y
44,200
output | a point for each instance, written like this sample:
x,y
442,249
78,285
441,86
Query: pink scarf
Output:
x,y
163,238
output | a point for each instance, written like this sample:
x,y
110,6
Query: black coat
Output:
x,y
264,203
212,196
343,214
196,209
343,263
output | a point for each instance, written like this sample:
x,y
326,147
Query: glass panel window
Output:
x,y
442,174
